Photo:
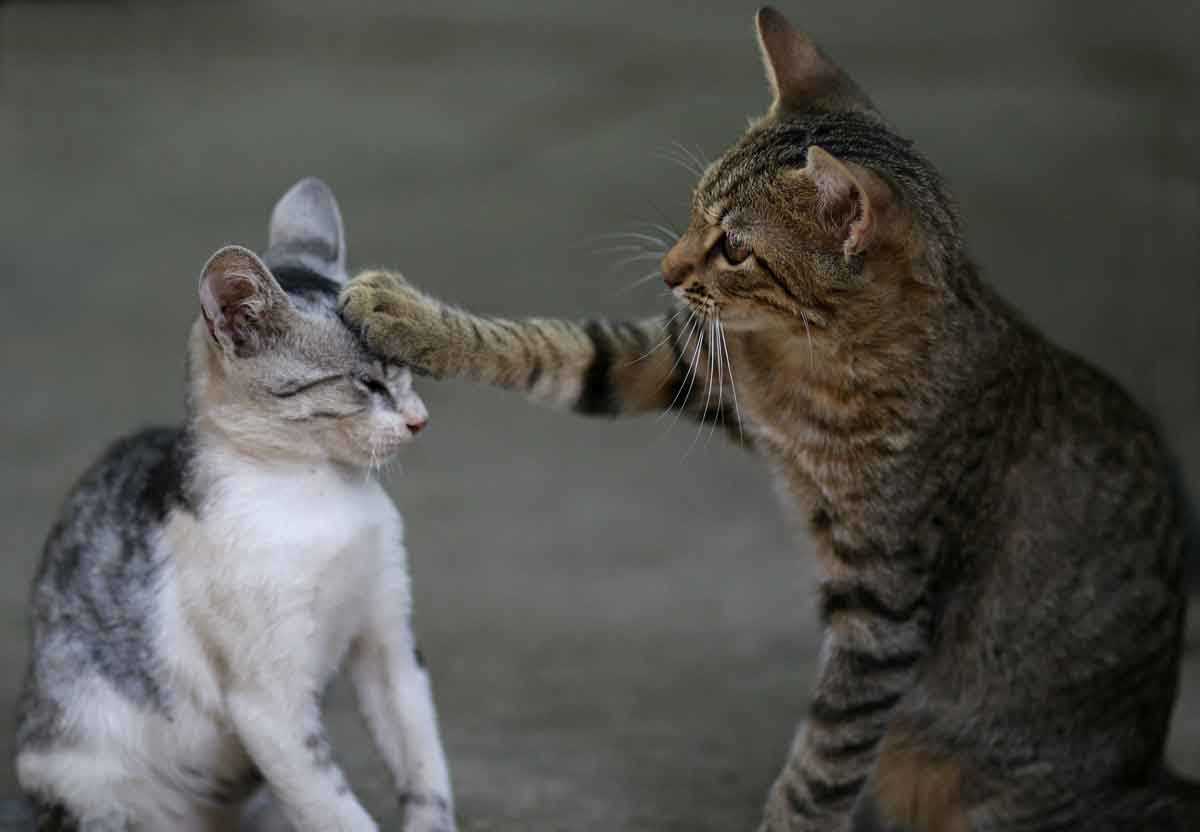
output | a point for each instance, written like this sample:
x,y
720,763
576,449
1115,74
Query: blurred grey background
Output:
x,y
621,630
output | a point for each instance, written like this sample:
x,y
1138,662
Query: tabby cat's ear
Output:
x,y
800,75
853,202
307,232
240,301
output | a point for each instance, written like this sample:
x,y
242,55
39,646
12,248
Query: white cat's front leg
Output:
x,y
396,701
283,734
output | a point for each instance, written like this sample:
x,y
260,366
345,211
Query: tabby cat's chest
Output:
x,y
807,467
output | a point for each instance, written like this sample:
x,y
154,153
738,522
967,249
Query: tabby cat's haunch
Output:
x,y
1000,537
203,584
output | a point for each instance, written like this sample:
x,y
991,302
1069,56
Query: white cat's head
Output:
x,y
272,366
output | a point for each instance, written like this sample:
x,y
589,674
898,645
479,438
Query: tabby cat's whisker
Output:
x,y
649,238
689,377
631,247
662,343
692,157
666,220
687,165
672,234
708,385
732,387
693,372
632,238
812,358
636,258
689,330
646,278
716,344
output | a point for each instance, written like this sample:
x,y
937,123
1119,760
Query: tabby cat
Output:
x,y
203,583
1000,537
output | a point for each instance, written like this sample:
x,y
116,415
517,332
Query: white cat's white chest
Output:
x,y
312,532
304,514
295,554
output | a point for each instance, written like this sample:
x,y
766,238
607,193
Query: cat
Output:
x,y
203,584
1000,540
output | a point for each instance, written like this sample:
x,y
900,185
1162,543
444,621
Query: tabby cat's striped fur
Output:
x,y
1000,537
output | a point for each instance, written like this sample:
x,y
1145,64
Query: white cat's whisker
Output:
x,y
373,457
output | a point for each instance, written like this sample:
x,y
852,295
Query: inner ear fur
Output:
x,y
240,300
855,205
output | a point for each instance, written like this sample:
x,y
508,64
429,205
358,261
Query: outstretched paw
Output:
x,y
398,321
371,294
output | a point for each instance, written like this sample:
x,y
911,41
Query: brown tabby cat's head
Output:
x,y
820,215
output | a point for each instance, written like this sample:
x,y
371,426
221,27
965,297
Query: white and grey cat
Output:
x,y
203,584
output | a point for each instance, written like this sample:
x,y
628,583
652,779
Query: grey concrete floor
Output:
x,y
620,624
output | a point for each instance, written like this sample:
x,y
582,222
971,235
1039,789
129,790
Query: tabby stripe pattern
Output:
x,y
596,367
875,643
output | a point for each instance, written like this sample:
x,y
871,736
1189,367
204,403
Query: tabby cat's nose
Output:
x,y
415,427
675,267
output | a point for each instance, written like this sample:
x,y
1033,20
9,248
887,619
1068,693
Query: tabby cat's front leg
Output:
x,y
403,324
593,367
875,640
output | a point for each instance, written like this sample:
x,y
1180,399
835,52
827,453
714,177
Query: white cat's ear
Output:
x,y
307,232
241,301
853,202
800,75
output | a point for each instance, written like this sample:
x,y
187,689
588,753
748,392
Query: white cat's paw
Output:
x,y
428,813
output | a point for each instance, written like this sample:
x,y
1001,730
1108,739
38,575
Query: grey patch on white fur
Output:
x,y
221,789
95,593
307,232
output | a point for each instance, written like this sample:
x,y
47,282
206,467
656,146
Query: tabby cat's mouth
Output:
x,y
698,300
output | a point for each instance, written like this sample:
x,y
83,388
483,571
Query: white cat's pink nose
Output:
x,y
415,427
